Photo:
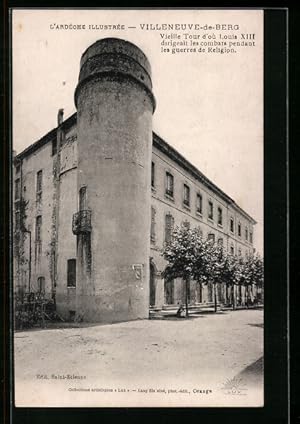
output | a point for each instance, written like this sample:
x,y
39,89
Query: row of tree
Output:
x,y
191,257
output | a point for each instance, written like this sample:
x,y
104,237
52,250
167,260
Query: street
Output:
x,y
206,360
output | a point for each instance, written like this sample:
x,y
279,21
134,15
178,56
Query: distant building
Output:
x,y
97,197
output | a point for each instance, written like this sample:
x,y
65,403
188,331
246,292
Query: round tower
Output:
x,y
115,104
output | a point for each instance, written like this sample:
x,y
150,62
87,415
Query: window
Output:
x,y
18,167
54,147
211,237
251,237
186,195
152,229
210,210
246,233
231,225
186,224
199,203
169,225
152,174
232,250
220,242
220,216
239,229
169,184
82,199
71,273
38,236
17,220
240,252
169,292
17,189
41,284
39,185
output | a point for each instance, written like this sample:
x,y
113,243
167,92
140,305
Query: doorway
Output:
x,y
152,284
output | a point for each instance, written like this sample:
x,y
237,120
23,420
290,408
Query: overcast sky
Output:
x,y
209,106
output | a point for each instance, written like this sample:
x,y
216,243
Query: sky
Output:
x,y
209,105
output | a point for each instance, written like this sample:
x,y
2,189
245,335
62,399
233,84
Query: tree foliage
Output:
x,y
189,256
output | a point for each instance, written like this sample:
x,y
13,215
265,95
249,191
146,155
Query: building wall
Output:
x,y
58,206
37,205
164,204
66,243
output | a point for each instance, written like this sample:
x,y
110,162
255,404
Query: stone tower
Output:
x,y
115,104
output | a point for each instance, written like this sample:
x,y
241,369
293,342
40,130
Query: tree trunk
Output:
x,y
232,298
186,298
215,296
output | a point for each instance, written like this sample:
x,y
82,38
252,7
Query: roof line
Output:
x,y
159,143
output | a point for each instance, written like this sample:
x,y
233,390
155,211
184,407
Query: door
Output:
x,y
152,285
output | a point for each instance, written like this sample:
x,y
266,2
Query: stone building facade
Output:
x,y
96,198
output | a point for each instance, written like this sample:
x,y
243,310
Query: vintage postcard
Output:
x,y
138,207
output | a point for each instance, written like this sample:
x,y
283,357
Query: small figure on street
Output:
x,y
180,311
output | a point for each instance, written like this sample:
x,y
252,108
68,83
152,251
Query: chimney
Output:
x,y
60,117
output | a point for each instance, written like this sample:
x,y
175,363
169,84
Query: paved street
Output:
x,y
120,363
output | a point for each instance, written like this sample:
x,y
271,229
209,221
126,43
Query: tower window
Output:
x,y
186,195
82,198
169,184
54,146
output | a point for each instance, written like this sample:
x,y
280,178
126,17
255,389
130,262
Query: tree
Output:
x,y
253,273
208,265
181,253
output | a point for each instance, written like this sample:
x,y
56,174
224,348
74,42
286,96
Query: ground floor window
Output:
x,y
71,273
41,284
